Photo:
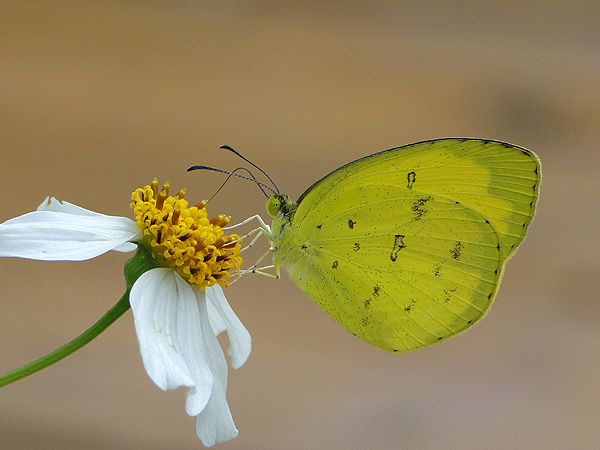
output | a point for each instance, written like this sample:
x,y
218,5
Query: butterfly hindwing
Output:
x,y
401,273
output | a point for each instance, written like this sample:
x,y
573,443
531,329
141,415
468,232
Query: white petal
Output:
x,y
190,331
127,246
51,204
214,424
154,303
169,329
65,232
223,318
179,347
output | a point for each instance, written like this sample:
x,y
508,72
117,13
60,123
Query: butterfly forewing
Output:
x,y
496,179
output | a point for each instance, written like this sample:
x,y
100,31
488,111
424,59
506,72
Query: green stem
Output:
x,y
84,338
142,261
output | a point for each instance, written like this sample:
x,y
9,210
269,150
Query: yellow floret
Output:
x,y
183,237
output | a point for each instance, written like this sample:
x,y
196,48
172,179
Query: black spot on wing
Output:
x,y
356,247
411,177
351,224
456,251
448,295
398,245
418,207
334,265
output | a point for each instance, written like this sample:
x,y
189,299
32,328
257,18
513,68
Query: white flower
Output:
x,y
176,321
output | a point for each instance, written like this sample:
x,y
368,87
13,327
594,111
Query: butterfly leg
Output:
x,y
263,229
254,267
258,232
262,225
259,270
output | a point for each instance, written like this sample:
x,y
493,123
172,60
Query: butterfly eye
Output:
x,y
273,205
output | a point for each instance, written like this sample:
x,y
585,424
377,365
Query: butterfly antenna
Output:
x,y
233,174
227,147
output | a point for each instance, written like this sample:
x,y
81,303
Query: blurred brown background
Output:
x,y
97,98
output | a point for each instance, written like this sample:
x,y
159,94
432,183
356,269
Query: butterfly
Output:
x,y
406,247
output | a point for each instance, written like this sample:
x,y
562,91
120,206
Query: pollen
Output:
x,y
184,238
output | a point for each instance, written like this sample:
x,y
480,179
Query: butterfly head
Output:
x,y
280,204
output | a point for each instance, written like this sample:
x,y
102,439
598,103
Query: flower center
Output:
x,y
184,238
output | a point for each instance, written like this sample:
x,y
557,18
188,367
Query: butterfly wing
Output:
x,y
498,180
406,247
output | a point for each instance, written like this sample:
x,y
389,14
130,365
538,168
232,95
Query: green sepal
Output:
x,y
141,262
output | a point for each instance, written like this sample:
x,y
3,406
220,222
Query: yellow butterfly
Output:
x,y
406,247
